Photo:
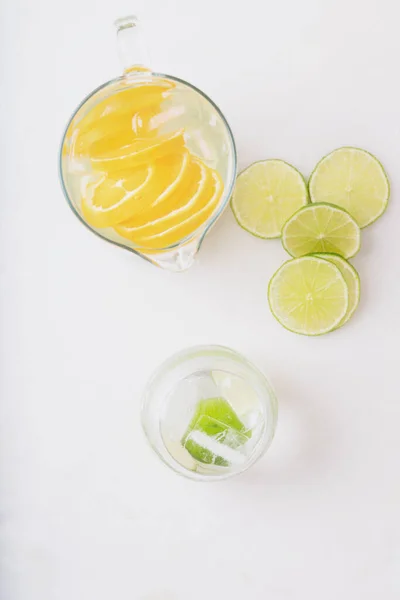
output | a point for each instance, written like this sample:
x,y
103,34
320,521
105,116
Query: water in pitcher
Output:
x,y
146,163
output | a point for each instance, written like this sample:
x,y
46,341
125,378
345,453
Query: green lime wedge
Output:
x,y
352,280
321,228
308,295
266,194
353,179
216,419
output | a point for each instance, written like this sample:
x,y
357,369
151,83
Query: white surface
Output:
x,y
87,511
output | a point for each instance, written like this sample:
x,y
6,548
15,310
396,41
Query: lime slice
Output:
x,y
321,228
352,280
353,179
214,425
308,295
266,194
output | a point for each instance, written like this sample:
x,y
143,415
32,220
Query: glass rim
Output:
x,y
139,250
270,409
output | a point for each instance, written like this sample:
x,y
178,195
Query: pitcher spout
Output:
x,y
178,259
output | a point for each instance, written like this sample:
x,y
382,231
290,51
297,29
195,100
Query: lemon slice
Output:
x,y
208,197
109,201
186,201
106,201
139,152
134,97
352,280
321,228
150,219
353,179
266,194
308,295
112,118
114,131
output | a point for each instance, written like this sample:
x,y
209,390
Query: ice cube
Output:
x,y
212,442
182,402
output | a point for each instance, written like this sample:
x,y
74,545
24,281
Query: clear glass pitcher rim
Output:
x,y
201,232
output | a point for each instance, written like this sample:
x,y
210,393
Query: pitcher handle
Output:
x,y
131,48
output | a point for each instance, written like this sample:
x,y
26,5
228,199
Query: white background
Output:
x,y
87,511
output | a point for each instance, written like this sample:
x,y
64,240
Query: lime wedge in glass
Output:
x,y
266,194
352,280
215,432
308,295
353,179
321,228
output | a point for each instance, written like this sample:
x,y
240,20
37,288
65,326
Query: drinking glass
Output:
x,y
209,413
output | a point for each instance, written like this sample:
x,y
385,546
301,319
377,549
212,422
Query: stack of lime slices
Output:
x,y
318,290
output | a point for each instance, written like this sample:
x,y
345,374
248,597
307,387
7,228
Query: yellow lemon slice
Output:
x,y
186,219
139,152
156,218
143,119
173,177
186,228
189,184
100,141
113,118
107,201
126,101
155,118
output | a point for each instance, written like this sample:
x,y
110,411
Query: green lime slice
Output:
x,y
352,280
308,295
266,194
214,423
353,179
321,228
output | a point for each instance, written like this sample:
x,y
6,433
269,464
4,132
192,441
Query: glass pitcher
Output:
x,y
148,161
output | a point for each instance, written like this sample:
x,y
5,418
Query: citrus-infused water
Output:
x,y
208,412
212,421
146,163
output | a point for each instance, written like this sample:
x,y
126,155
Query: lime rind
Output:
x,y
250,228
330,326
351,278
381,170
316,250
